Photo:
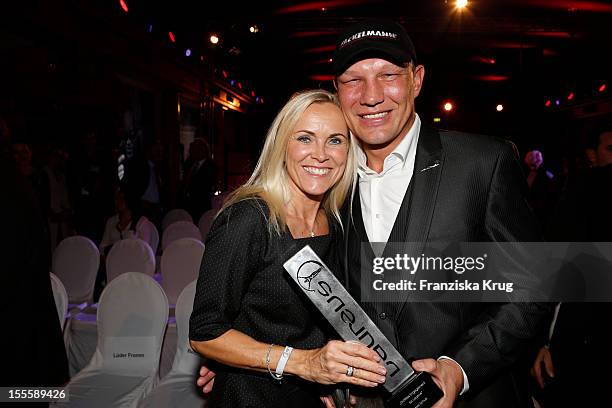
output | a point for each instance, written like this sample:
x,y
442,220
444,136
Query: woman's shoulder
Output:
x,y
246,213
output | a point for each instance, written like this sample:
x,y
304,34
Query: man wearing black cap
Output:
x,y
420,185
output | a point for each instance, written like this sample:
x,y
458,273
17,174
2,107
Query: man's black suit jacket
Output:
x,y
464,188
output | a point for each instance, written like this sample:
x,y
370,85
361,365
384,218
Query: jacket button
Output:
x,y
382,316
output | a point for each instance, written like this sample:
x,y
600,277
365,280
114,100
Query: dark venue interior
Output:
x,y
93,90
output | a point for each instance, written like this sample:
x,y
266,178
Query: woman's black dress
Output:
x,y
242,285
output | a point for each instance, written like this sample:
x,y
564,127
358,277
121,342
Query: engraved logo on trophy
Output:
x,y
307,272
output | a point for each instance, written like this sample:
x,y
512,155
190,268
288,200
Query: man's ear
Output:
x,y
418,76
335,81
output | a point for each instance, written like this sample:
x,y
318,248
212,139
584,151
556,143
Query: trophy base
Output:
x,y
420,391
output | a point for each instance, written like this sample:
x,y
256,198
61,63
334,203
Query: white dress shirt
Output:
x,y
381,194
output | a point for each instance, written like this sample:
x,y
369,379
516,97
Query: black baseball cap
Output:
x,y
384,39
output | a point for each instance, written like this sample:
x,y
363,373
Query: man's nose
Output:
x,y
373,93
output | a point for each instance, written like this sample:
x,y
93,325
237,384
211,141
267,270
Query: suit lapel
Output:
x,y
428,166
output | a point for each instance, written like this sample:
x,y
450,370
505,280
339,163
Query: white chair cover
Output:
x,y
129,255
132,317
178,230
75,262
180,264
154,237
205,222
61,298
178,214
177,388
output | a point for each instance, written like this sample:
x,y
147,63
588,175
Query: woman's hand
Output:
x,y
329,364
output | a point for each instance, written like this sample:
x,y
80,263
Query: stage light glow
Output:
x,y
123,5
437,120
448,106
557,102
214,39
461,4
602,87
253,94
547,103
171,35
233,82
188,52
499,107
570,96
254,29
224,74
149,28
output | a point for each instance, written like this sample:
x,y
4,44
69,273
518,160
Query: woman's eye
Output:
x,y
303,139
335,140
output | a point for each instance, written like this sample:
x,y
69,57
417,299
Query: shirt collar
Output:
x,y
401,151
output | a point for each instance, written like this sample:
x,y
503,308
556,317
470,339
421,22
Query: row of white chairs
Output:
x,y
124,371
180,215
76,261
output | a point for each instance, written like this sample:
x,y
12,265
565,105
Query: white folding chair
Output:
x,y
205,222
61,298
178,230
180,264
75,262
177,388
129,255
178,214
132,317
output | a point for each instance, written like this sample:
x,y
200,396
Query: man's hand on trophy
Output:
x,y
206,380
542,376
446,374
328,401
339,361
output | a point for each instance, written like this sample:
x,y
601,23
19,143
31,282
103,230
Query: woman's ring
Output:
x,y
349,371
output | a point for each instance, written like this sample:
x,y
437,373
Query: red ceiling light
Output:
x,y
602,87
224,73
448,106
548,103
570,96
253,94
171,35
239,85
123,5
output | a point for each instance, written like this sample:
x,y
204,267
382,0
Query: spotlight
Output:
x,y
171,35
188,52
499,107
557,102
448,106
254,29
602,87
123,5
547,103
461,4
214,39
570,96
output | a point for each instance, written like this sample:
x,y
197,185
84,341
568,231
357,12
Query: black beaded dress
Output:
x,y
242,285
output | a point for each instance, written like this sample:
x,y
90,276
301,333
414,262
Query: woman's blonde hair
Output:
x,y
270,180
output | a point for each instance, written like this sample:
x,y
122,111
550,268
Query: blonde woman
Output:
x,y
247,313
